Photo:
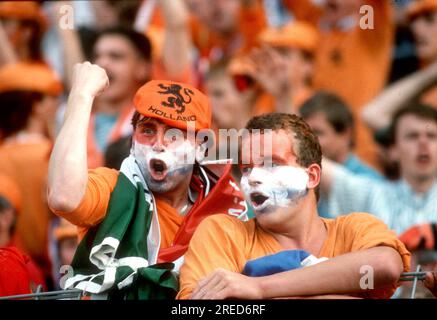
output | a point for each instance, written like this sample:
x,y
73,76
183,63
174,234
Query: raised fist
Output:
x,y
89,79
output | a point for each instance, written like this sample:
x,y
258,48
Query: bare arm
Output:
x,y
379,112
7,53
67,177
339,275
177,39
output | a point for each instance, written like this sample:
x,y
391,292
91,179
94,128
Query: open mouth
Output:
x,y
423,159
158,169
258,199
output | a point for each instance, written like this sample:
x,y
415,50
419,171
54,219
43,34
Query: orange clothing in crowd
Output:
x,y
430,97
27,164
353,62
213,46
223,242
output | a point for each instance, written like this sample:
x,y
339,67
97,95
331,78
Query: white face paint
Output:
x,y
164,170
272,187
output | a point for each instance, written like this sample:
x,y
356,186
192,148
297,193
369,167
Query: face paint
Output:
x,y
165,170
269,188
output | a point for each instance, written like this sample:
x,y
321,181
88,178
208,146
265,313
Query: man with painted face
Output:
x,y
288,250
146,213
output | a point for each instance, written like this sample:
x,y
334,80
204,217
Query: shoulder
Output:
x,y
357,218
357,222
223,225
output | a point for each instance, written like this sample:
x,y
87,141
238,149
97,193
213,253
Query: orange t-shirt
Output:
x,y
223,242
92,209
354,63
27,165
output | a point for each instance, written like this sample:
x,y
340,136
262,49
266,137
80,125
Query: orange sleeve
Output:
x,y
217,242
92,209
366,231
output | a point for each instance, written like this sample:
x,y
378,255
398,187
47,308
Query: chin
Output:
x,y
160,186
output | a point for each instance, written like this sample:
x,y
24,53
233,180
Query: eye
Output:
x,y
246,170
148,131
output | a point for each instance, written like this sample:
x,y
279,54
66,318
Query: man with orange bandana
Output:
x,y
147,212
29,99
288,250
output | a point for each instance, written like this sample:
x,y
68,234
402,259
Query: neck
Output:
x,y
305,230
178,198
342,157
420,185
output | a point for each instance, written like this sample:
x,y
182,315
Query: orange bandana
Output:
x,y
173,103
23,10
296,34
29,76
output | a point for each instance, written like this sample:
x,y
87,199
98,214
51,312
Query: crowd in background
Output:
x,y
361,73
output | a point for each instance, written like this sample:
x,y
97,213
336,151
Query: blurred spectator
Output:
x,y
333,123
28,96
126,56
422,84
402,203
279,73
222,29
284,66
10,207
21,28
353,54
227,99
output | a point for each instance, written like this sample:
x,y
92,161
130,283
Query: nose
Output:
x,y
159,145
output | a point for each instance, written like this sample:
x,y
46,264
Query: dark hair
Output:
x,y
139,41
308,150
117,151
335,110
332,106
15,111
414,108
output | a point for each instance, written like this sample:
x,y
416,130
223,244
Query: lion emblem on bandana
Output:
x,y
178,96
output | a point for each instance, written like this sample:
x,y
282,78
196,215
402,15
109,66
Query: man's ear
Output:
x,y
314,176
